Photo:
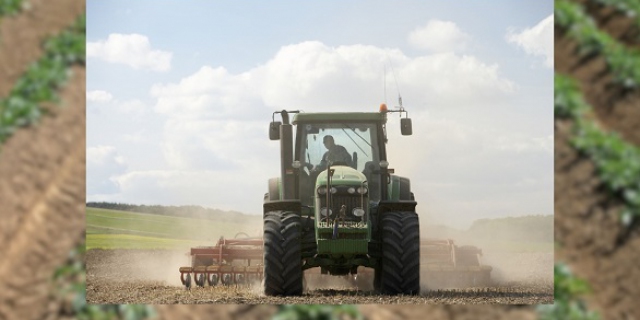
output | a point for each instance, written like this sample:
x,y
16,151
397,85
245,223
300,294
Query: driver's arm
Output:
x,y
323,163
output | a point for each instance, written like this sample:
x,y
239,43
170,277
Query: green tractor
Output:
x,y
337,205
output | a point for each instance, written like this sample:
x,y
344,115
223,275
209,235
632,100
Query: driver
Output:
x,y
335,153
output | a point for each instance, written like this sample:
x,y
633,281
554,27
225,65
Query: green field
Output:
x,y
112,229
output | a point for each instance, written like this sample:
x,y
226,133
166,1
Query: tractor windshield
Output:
x,y
351,144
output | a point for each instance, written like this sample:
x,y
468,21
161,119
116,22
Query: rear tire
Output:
x,y
399,270
282,259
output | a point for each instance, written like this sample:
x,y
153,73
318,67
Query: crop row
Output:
x,y
630,8
623,62
40,83
604,149
617,161
9,7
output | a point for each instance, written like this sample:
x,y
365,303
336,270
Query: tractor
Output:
x,y
337,205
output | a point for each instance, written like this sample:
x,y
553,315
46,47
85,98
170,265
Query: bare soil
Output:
x,y
42,194
21,36
594,243
42,168
152,277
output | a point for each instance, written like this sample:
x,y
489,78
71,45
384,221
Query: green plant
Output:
x,y
631,8
9,7
623,62
617,162
317,312
70,287
39,84
568,290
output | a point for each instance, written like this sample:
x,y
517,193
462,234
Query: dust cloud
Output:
x,y
518,256
162,265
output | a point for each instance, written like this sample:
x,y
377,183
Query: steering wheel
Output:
x,y
339,163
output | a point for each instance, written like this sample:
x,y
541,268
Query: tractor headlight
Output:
x,y
324,212
358,212
362,190
322,190
351,190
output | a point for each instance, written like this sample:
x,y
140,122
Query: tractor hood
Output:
x,y
342,176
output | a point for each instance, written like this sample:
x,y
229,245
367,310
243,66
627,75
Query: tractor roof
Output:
x,y
340,117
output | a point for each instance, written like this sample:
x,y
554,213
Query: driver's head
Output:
x,y
328,141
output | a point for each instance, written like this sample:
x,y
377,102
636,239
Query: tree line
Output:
x,y
190,211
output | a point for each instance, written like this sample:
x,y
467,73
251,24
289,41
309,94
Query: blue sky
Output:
x,y
180,93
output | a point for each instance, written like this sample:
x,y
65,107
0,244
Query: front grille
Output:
x,y
350,201
343,235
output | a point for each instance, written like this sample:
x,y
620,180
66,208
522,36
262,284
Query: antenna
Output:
x,y
385,84
396,81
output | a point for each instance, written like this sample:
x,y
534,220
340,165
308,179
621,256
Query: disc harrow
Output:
x,y
445,264
240,262
229,262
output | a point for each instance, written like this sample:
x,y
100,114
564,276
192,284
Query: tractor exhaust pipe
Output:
x,y
284,132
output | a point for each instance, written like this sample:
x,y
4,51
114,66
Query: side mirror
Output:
x,y
405,127
274,130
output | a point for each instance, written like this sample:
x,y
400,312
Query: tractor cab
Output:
x,y
353,146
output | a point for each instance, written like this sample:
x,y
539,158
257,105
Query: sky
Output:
x,y
180,95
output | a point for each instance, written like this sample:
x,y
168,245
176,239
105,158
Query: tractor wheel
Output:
x,y
399,272
282,259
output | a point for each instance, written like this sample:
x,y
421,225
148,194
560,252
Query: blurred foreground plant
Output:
x,y
568,291
70,288
317,312
9,7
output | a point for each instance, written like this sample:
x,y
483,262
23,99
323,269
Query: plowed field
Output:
x,y
152,277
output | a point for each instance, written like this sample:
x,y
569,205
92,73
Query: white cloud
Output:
x,y
133,50
313,76
439,36
520,144
103,164
99,96
132,107
208,93
100,102
537,40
